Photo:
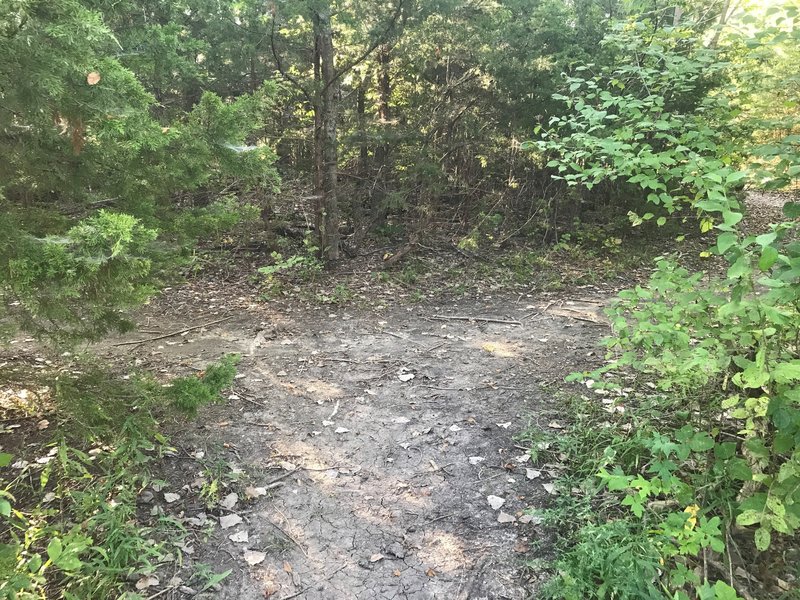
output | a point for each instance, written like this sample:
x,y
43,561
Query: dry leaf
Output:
x,y
530,519
342,430
240,537
229,521
474,460
550,488
521,548
375,558
43,424
287,567
169,497
532,473
430,572
397,573
252,558
254,492
93,78
147,581
495,501
229,501
405,376
505,518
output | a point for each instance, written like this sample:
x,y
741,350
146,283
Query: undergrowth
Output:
x,y
69,522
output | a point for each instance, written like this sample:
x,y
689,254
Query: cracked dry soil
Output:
x,y
377,482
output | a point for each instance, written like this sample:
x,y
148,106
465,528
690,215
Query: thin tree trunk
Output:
x,y
384,117
318,160
357,203
328,152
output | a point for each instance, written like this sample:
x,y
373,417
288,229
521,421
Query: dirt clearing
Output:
x,y
378,451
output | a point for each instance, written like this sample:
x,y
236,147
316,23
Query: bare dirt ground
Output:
x,y
383,442
373,448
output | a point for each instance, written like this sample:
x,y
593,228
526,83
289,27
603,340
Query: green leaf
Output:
x,y
763,538
68,562
35,563
731,218
766,239
5,507
739,470
749,517
722,591
786,372
54,549
215,579
726,240
768,257
792,210
725,450
5,459
740,268
701,442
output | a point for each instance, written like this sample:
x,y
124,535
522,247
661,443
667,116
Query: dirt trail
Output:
x,y
380,479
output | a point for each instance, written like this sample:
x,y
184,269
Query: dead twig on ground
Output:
x,y
173,333
476,319
308,587
287,534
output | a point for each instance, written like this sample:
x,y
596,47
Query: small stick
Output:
x,y
480,319
438,519
245,398
178,332
335,410
305,589
161,593
536,313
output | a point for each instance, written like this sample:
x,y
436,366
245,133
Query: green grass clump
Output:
x,y
188,394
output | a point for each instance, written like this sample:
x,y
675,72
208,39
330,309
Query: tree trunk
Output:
x,y
327,159
378,207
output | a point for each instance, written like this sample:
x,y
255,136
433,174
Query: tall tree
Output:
x,y
321,91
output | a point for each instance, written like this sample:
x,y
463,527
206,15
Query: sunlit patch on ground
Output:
x,y
23,400
497,348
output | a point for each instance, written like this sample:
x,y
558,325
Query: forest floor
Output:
x,y
372,452
376,442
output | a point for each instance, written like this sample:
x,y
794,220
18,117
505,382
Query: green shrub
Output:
x,y
188,394
76,285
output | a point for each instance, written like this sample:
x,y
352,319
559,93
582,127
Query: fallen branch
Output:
x,y
178,332
478,319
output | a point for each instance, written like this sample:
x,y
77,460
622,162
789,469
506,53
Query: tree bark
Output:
x,y
326,116
378,207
